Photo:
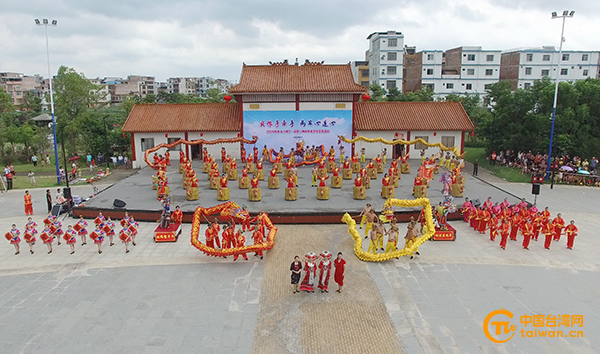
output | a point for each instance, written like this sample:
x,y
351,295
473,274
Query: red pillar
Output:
x,y
187,147
462,142
132,148
407,139
297,102
240,99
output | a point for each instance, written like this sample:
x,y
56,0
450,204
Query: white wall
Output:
x,y
374,149
272,106
159,138
433,139
324,106
215,150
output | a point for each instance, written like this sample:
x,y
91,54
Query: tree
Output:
x,y
214,95
73,97
32,104
377,93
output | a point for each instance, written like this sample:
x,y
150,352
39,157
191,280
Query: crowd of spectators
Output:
x,y
567,169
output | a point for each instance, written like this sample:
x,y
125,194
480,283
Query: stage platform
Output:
x,y
137,192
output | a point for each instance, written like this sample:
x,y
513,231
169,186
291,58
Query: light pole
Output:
x,y
46,23
564,16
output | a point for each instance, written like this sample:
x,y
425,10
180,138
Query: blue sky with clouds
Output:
x,y
213,38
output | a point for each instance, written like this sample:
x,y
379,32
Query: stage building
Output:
x,y
287,105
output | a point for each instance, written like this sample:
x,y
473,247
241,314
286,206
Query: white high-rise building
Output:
x,y
386,59
523,66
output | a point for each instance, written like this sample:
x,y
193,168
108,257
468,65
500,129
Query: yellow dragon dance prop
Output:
x,y
454,149
370,257
230,211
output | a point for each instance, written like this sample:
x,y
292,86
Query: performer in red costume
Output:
x,y
14,237
257,236
223,154
339,264
515,224
526,231
168,158
28,204
255,154
210,235
493,225
558,224
291,185
240,241
325,269
228,236
466,209
177,216
484,219
571,232
308,283
548,231
504,231
254,185
71,237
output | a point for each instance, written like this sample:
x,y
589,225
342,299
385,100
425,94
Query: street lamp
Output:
x,y
564,16
53,24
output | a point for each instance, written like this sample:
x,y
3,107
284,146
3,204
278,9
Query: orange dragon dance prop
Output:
x,y
196,142
454,149
273,155
230,211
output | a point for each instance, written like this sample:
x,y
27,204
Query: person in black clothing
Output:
x,y
49,200
475,167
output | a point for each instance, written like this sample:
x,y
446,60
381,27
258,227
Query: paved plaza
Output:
x,y
170,298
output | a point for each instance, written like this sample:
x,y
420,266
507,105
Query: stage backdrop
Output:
x,y
284,128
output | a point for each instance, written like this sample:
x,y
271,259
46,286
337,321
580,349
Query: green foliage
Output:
x,y
6,102
32,104
214,95
521,119
377,93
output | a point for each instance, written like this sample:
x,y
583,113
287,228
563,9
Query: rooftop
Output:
x,y
286,78
412,116
183,117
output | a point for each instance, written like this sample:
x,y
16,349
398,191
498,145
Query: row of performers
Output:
x,y
453,181
375,230
506,220
104,227
310,269
230,238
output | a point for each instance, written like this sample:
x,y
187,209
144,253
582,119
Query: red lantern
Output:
x,y
227,98
123,134
201,134
366,97
166,135
472,133
434,133
396,133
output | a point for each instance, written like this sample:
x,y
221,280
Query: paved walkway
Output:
x,y
163,298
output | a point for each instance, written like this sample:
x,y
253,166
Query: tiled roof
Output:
x,y
185,117
411,116
296,78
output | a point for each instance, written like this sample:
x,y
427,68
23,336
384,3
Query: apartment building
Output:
x,y
134,85
17,84
360,72
464,70
386,58
523,66
195,85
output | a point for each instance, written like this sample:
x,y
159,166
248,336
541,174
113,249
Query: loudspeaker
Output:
x,y
476,203
535,189
118,203
67,193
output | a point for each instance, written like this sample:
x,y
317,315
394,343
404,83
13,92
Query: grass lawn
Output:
x,y
21,181
508,173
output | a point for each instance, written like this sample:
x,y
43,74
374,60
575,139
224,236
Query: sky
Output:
x,y
189,38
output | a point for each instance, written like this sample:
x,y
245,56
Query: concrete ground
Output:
x,y
163,298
